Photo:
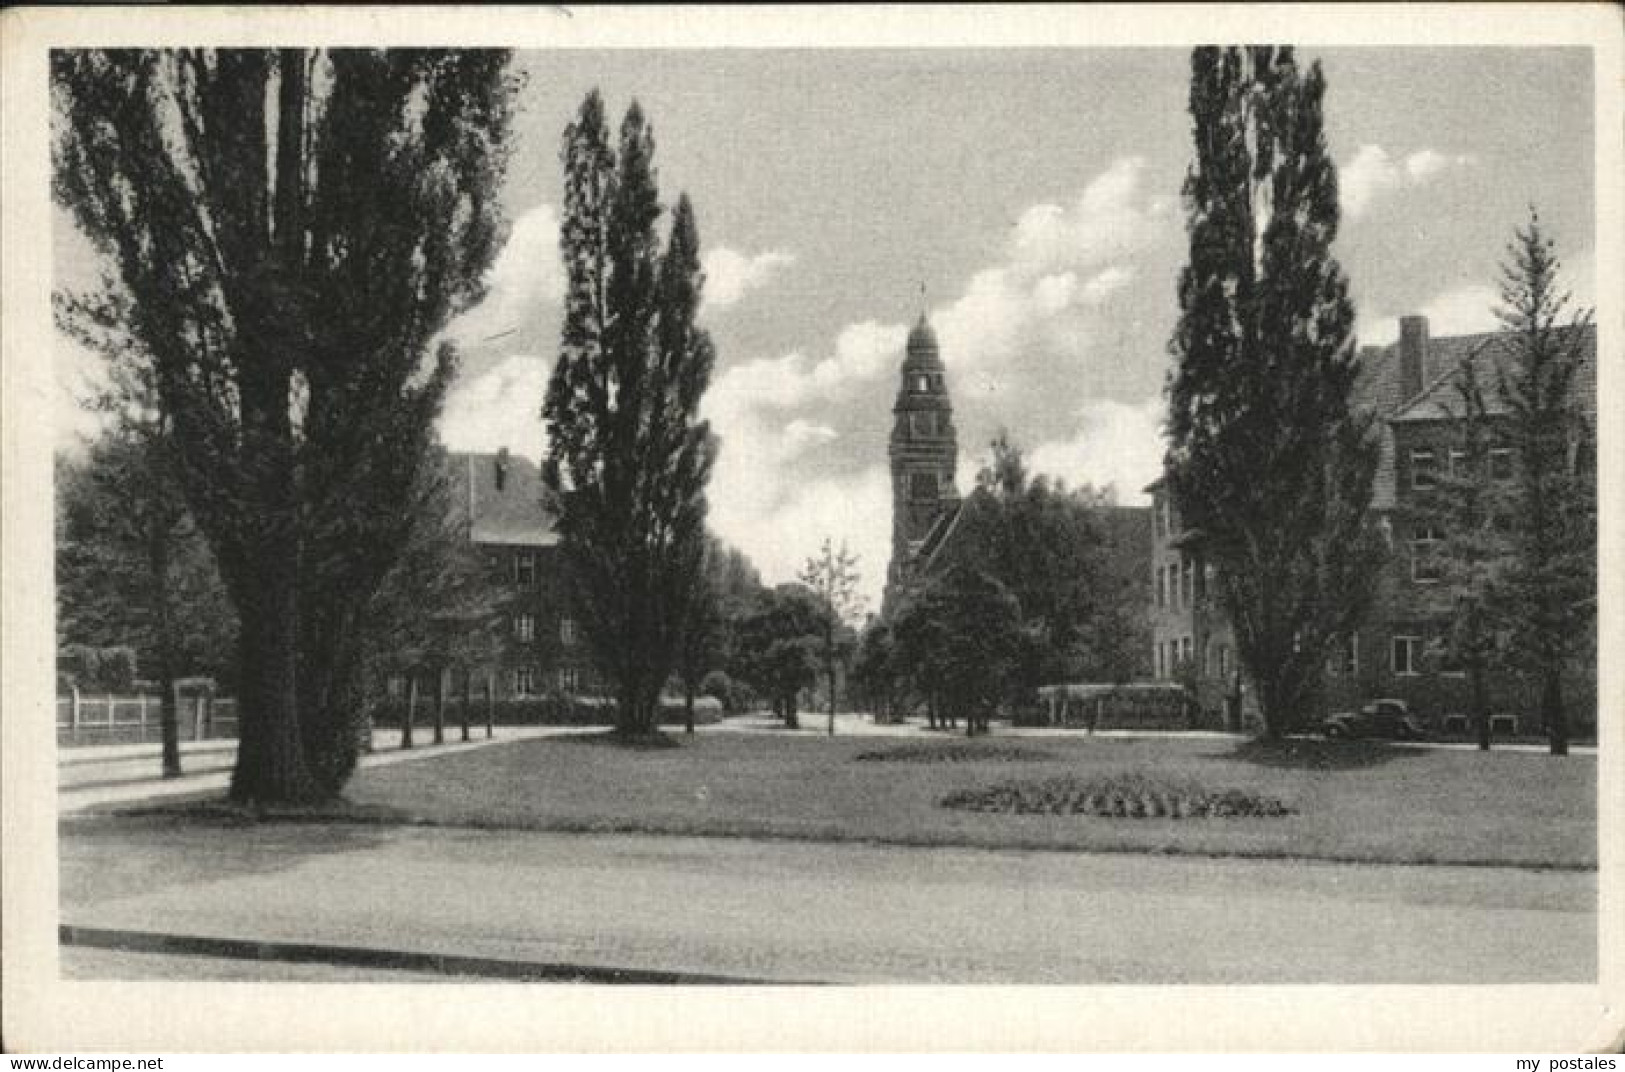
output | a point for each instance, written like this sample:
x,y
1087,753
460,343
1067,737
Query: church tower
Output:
x,y
923,452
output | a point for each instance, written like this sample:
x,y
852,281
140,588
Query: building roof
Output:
x,y
501,496
1490,354
922,352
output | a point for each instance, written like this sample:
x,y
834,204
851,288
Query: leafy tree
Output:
x,y
1060,552
133,569
1552,580
833,577
287,232
961,642
1266,460
629,459
779,641
880,682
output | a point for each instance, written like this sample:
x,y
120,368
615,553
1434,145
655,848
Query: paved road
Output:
x,y
841,913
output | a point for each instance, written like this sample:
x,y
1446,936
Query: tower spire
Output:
x,y
923,452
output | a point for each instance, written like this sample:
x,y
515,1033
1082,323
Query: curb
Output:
x,y
389,959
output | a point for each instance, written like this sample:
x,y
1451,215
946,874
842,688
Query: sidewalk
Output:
x,y
99,775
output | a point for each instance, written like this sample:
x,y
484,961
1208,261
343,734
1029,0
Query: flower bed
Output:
x,y
1131,796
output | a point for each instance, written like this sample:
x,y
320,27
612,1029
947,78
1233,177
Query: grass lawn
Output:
x,y
1350,801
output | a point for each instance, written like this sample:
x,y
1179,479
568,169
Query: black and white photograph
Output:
x,y
960,509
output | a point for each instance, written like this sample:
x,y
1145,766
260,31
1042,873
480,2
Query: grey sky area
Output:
x,y
1034,195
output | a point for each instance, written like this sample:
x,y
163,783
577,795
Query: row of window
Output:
x,y
927,423
1162,517
1406,655
524,629
1424,461
1176,585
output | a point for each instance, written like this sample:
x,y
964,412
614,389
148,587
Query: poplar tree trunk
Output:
x,y
411,709
440,706
168,716
1551,711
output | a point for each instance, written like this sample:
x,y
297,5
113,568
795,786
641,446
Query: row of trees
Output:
x,y
1270,462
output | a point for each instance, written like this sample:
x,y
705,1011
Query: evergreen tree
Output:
x,y
1551,585
832,575
288,231
629,459
1467,510
1266,461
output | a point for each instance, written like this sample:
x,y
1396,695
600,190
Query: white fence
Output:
x,y
99,718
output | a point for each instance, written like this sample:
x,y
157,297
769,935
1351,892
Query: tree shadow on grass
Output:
x,y
656,741
1311,753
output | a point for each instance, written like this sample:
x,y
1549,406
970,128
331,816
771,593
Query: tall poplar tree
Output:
x,y
287,231
1266,461
628,458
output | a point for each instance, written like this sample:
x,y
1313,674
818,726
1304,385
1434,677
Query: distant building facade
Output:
x,y
542,651
1410,386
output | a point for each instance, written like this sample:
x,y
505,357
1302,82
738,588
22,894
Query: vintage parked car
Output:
x,y
1379,718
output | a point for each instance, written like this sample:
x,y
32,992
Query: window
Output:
x,y
524,569
524,682
1425,568
922,383
567,631
1189,588
524,627
1421,469
1224,661
568,679
1500,463
1407,655
395,686
1345,657
922,485
1457,464
1450,663
1185,653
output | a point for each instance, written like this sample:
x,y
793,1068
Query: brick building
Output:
x,y
924,452
1410,385
541,651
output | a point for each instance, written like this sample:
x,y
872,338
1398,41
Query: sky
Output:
x,y
1028,201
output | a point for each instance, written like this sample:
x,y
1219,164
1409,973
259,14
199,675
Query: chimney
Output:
x,y
1413,355
502,468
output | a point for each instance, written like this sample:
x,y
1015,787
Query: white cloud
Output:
x,y
1373,172
524,281
1423,165
730,275
499,408
1038,341
1117,444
